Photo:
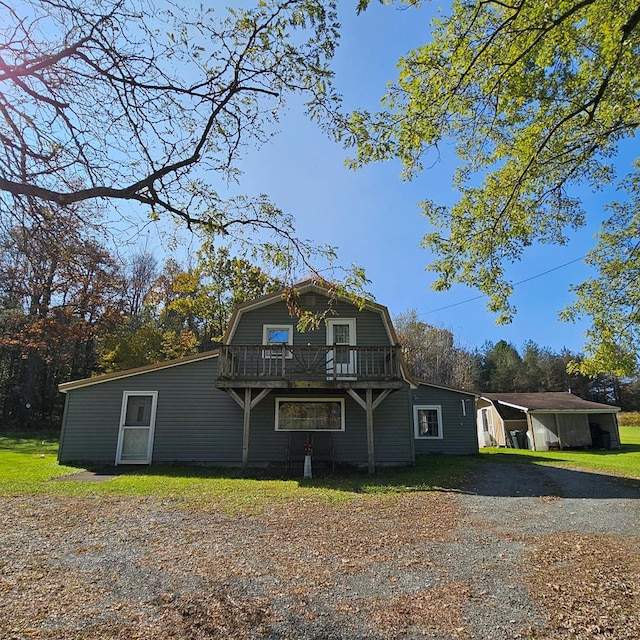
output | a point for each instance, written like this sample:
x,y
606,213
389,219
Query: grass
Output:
x,y
624,462
26,462
28,465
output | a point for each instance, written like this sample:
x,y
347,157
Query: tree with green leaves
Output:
x,y
206,294
502,368
536,97
183,310
155,104
612,298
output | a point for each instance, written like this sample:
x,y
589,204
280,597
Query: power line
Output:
x,y
538,275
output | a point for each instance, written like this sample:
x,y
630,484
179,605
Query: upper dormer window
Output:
x,y
277,335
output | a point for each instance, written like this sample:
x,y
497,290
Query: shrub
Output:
x,y
629,419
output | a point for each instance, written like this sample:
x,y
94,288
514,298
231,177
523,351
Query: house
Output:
x,y
544,421
269,394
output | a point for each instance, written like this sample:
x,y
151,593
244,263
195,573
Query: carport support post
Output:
x,y
530,427
555,416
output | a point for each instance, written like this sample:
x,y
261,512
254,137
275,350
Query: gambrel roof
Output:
x,y
302,288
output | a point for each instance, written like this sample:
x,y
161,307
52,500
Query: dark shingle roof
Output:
x,y
551,401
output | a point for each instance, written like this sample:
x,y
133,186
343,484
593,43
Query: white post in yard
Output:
x,y
307,467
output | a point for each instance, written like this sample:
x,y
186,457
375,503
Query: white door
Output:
x,y
341,360
137,421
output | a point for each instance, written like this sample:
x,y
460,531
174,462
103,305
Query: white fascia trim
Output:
x,y
549,411
605,409
508,404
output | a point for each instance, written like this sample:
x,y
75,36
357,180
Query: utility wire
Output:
x,y
538,275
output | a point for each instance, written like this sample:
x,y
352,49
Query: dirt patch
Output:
x,y
89,476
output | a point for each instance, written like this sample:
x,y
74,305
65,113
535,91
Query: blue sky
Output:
x,y
372,217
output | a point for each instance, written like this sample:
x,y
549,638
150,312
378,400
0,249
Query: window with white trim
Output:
x,y
277,335
427,421
309,414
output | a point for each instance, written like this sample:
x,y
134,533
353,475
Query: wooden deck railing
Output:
x,y
289,362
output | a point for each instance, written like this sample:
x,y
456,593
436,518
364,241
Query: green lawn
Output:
x,y
26,462
28,465
621,462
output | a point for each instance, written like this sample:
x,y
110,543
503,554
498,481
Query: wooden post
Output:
x,y
555,415
369,406
245,427
370,448
530,427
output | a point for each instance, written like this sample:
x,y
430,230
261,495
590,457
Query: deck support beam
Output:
x,y
369,413
246,404
246,423
369,406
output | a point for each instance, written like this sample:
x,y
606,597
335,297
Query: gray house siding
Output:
x,y
392,439
90,426
459,430
198,421
195,422
370,330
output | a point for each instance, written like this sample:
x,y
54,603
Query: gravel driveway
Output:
x,y
522,551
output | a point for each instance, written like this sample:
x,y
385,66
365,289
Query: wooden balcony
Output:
x,y
323,367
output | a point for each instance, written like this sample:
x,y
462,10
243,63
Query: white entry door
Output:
x,y
137,422
341,360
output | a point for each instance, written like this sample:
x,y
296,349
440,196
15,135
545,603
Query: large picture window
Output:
x,y
427,421
309,414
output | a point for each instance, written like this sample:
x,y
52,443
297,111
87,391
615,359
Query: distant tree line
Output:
x,y
70,309
432,355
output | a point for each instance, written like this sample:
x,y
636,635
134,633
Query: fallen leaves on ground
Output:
x,y
589,585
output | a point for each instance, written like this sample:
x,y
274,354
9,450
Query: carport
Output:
x,y
546,421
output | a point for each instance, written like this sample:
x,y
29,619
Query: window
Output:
x,y
309,414
137,423
277,335
427,421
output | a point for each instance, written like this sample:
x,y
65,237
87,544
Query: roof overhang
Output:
x,y
415,383
118,375
604,409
